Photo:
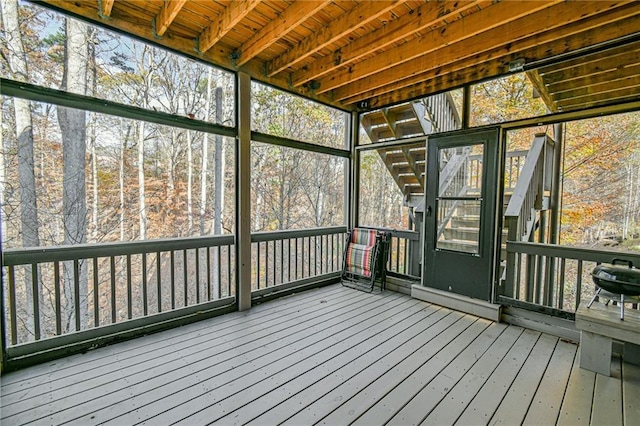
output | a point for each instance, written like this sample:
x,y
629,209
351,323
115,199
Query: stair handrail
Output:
x,y
447,177
528,197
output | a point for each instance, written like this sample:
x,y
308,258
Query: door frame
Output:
x,y
441,268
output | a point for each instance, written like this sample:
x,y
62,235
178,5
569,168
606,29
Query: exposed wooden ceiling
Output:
x,y
376,53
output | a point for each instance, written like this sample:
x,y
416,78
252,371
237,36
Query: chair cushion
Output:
x,y
365,237
359,259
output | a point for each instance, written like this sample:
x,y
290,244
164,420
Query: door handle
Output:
x,y
428,211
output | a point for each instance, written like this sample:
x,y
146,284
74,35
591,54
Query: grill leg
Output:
x,y
621,307
594,297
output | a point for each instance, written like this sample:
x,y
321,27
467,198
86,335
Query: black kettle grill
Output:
x,y
617,281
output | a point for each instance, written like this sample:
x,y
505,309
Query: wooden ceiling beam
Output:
x,y
545,27
360,15
424,17
105,7
495,63
288,20
231,16
617,74
588,101
538,84
629,57
609,85
478,23
590,59
168,13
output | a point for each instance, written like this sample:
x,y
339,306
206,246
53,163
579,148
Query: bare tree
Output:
x,y
74,147
24,134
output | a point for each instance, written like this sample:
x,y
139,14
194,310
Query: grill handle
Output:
x,y
626,262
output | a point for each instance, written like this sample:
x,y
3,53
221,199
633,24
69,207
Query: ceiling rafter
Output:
x,y
611,85
593,78
479,67
231,16
168,13
549,25
360,15
424,17
288,20
105,7
457,31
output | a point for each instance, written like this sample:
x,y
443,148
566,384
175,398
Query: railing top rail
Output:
x,y
26,256
295,233
528,172
578,253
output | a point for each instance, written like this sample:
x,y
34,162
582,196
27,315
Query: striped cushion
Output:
x,y
359,259
365,237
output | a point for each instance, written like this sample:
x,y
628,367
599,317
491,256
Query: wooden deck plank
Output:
x,y
607,397
364,353
238,394
71,366
462,393
487,400
386,408
173,367
430,396
209,386
332,356
578,399
515,404
126,357
545,407
631,393
389,372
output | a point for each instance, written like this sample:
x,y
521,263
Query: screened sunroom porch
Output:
x,y
109,289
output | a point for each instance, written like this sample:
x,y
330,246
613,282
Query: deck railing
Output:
x,y
555,276
283,257
404,253
53,291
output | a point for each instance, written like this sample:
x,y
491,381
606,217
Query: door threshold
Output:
x,y
477,307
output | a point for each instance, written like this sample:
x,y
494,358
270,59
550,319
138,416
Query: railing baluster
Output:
x,y
12,305
258,272
159,281
197,259
56,290
563,263
579,284
282,261
36,300
296,254
266,265
172,261
228,270
76,293
275,267
219,272
96,303
184,273
113,288
144,284
129,289
209,271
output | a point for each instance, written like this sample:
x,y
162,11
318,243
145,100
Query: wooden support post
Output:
x,y
243,194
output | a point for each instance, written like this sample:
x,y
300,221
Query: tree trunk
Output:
x,y
189,183
24,135
204,171
74,134
141,195
219,166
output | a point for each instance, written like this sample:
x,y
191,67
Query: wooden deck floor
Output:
x,y
328,356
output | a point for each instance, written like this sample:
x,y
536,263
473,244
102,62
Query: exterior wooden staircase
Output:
x,y
406,164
